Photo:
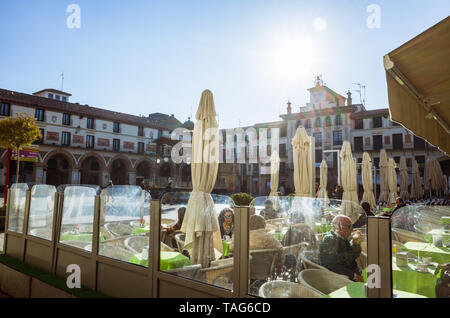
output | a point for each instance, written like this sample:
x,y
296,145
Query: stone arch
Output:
x,y
101,160
50,154
119,168
144,170
58,165
126,160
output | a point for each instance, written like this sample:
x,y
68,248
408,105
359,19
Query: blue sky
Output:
x,y
142,56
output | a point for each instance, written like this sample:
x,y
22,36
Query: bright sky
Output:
x,y
141,57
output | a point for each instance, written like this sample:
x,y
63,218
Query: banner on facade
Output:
x,y
30,154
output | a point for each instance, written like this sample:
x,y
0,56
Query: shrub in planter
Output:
x,y
242,199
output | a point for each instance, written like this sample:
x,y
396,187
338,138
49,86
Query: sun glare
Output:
x,y
292,58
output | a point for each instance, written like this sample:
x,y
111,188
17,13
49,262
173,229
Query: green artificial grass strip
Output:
x,y
52,280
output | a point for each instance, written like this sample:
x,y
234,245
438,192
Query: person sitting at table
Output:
x,y
269,212
174,229
399,204
362,221
338,253
299,233
259,236
226,222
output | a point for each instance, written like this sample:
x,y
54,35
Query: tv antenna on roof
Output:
x,y
62,81
363,87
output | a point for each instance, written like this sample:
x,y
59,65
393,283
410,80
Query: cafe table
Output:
x,y
438,254
407,278
80,237
167,260
140,230
357,290
444,234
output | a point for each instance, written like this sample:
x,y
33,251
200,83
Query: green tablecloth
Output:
x,y
226,248
81,237
445,220
438,254
407,279
167,260
356,290
280,235
445,235
139,230
323,228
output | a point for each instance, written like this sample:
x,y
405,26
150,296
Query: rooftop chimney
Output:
x,y
349,98
289,108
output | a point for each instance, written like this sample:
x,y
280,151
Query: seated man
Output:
x,y
269,212
174,229
336,251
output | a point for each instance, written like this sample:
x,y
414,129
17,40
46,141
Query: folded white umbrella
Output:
x,y
200,222
404,179
350,205
416,185
274,177
322,193
392,181
366,176
302,163
437,177
427,175
384,183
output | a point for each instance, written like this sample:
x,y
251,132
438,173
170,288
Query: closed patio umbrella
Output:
x,y
416,185
392,180
384,184
200,222
349,206
427,176
366,176
274,177
404,179
437,177
302,163
322,193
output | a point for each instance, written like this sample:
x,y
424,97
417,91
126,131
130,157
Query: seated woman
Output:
x,y
269,212
174,229
226,222
259,237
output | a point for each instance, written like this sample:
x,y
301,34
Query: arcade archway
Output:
x,y
58,170
90,171
119,172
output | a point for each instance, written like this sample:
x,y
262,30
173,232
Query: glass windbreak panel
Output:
x,y
125,224
209,257
303,247
62,187
18,195
78,217
42,204
421,251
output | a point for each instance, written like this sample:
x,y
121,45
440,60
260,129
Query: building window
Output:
x,y
337,138
57,97
50,95
64,99
318,139
140,147
319,155
377,142
141,131
359,123
116,144
90,141
116,127
307,123
90,123
376,161
283,151
328,121
318,122
338,120
65,138
283,131
377,122
4,109
66,119
397,140
39,114
419,143
387,140
358,143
